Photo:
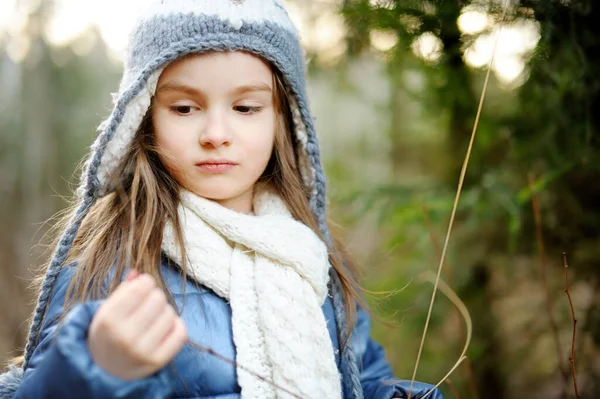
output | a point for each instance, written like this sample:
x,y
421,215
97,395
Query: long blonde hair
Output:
x,y
125,228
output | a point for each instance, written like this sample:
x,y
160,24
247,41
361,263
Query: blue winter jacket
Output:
x,y
62,367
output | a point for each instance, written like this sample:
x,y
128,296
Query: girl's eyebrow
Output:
x,y
181,87
252,88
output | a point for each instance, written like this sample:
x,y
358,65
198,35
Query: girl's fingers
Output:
x,y
128,296
146,313
132,275
171,345
154,335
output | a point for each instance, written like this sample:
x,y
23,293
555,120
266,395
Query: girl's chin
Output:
x,y
220,194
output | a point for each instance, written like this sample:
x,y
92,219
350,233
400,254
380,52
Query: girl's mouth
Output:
x,y
216,166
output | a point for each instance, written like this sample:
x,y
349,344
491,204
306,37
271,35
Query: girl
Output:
x,y
199,233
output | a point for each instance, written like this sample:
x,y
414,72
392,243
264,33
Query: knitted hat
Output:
x,y
168,30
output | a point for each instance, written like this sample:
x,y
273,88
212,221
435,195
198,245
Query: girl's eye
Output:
x,y
246,109
182,109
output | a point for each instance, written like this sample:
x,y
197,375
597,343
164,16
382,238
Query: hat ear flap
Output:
x,y
117,133
307,169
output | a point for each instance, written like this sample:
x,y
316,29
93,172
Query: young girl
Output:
x,y
199,234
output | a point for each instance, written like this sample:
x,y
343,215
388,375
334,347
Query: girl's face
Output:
x,y
214,121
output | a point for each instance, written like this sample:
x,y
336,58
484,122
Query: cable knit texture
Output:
x,y
274,272
165,31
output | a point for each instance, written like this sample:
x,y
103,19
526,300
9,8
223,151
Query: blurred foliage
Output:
x,y
545,129
50,102
394,124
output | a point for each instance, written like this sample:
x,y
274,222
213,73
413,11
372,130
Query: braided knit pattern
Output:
x,y
10,381
273,270
58,259
156,42
351,381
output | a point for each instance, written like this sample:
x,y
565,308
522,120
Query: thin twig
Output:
x,y
456,301
572,357
468,367
239,366
461,180
452,297
547,297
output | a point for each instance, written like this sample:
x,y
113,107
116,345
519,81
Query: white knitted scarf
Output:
x,y
274,272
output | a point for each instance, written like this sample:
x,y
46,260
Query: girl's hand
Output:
x,y
136,332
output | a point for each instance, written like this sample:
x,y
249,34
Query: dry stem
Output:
x,y
461,181
237,365
572,356
548,298
468,367
452,297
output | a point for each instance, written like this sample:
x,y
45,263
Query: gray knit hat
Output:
x,y
165,31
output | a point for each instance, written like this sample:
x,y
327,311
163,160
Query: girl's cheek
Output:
x,y
261,147
260,128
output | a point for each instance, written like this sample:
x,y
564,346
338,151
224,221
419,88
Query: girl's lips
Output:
x,y
215,167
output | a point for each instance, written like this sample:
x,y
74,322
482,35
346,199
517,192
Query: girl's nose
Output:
x,y
215,132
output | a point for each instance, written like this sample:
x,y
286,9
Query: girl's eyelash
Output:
x,y
249,109
184,110
178,108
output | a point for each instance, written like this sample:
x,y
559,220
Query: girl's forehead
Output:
x,y
219,69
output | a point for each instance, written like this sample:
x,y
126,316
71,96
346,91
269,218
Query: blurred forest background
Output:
x,y
394,86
